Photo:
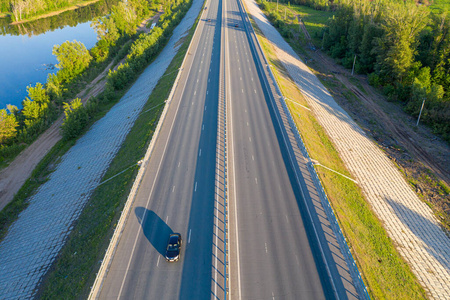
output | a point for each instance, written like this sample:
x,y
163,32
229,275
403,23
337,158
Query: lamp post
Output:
x,y
420,113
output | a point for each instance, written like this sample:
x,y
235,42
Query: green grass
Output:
x,y
385,273
74,272
39,175
314,20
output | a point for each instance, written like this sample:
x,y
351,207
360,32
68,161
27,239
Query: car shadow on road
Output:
x,y
155,229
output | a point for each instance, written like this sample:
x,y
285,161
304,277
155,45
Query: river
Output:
x,y
26,49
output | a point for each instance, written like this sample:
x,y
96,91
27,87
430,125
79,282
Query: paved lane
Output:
x,y
177,190
271,256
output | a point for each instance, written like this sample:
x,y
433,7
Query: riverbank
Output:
x,y
50,13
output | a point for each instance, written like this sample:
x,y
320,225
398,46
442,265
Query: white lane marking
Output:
x,y
179,164
195,187
255,91
241,78
205,107
242,91
167,218
250,139
159,256
233,166
203,127
256,180
252,78
273,297
195,93
265,245
192,103
173,189
200,153
189,239
207,92
247,124
253,158
197,80
287,219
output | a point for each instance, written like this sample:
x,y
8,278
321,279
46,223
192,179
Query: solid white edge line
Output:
x,y
233,161
159,168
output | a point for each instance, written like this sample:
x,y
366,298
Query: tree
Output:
x,y
36,105
401,24
76,119
73,58
8,124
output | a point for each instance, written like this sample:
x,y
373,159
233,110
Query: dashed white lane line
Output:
x,y
195,189
173,189
265,245
159,257
256,180
200,152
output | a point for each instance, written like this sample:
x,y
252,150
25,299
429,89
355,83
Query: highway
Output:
x,y
177,190
270,249
271,256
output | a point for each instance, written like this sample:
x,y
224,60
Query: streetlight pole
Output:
x,y
420,113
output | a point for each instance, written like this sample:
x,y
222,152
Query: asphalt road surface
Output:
x,y
177,190
271,256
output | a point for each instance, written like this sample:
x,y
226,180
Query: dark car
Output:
x,y
173,247
209,20
236,25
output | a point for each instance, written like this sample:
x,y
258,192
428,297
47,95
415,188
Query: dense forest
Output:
x,y
404,47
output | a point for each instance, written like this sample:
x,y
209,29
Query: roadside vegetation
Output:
x,y
385,273
79,117
419,166
74,271
20,10
401,45
77,67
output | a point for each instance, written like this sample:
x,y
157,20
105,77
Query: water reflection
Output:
x,y
26,49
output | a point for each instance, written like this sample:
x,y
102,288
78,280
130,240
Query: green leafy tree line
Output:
x,y
23,9
44,102
139,55
405,49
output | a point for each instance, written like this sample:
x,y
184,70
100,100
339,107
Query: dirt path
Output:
x,y
415,150
14,176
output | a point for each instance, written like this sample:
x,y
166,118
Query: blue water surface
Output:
x,y
26,60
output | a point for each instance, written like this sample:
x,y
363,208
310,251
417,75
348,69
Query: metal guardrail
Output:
x,y
353,268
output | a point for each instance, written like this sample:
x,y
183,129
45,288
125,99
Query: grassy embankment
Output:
x,y
385,273
74,272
